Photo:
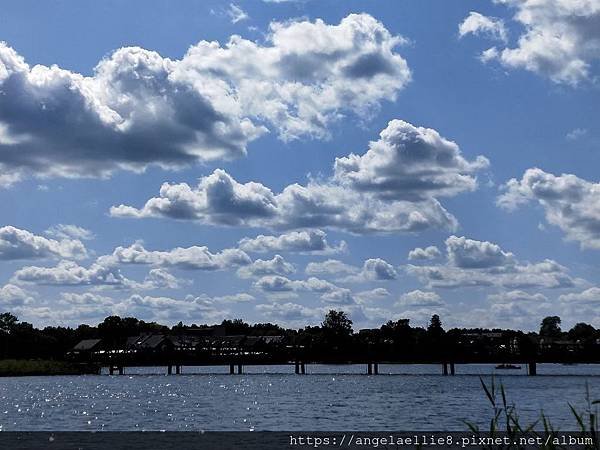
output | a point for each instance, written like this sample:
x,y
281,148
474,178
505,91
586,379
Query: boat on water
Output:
x,y
507,366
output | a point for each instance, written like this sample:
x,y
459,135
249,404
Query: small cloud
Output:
x,y
576,134
236,14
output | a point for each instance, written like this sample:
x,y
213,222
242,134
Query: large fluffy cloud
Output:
x,y
560,38
471,263
393,187
409,163
139,108
569,202
22,244
304,241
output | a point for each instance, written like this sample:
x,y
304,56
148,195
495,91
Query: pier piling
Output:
x,y
532,368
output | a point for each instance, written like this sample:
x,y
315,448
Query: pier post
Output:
x,y
376,368
111,370
169,369
178,370
369,369
532,368
231,369
240,369
452,371
445,368
121,371
302,368
297,367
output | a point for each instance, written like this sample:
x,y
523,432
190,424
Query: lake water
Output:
x,y
405,397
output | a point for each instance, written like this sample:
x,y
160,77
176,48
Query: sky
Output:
x,y
273,160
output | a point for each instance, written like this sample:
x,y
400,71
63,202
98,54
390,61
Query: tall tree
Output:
x,y
550,326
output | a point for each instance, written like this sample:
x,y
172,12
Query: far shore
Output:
x,y
40,367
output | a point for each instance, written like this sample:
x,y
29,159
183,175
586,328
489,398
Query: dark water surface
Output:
x,y
407,397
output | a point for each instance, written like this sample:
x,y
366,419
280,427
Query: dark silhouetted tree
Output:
x,y
550,326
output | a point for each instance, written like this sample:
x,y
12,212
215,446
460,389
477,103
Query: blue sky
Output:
x,y
307,82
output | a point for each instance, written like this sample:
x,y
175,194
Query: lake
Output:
x,y
402,397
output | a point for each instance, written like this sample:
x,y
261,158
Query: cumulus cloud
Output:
x,y
480,25
409,163
191,258
259,268
591,295
560,39
139,108
374,269
16,244
279,286
69,273
220,200
275,283
569,202
431,252
304,241
473,254
420,299
330,267
393,187
289,312
65,231
517,296
472,263
13,296
371,295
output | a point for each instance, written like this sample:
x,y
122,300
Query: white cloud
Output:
x,y
517,296
473,254
191,258
569,202
63,231
374,269
431,252
236,14
576,133
330,267
478,24
69,273
139,109
22,244
289,312
371,295
591,295
259,268
560,39
304,241
420,299
13,296
409,163
472,263
391,188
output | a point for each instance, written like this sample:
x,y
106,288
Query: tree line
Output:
x,y
334,339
